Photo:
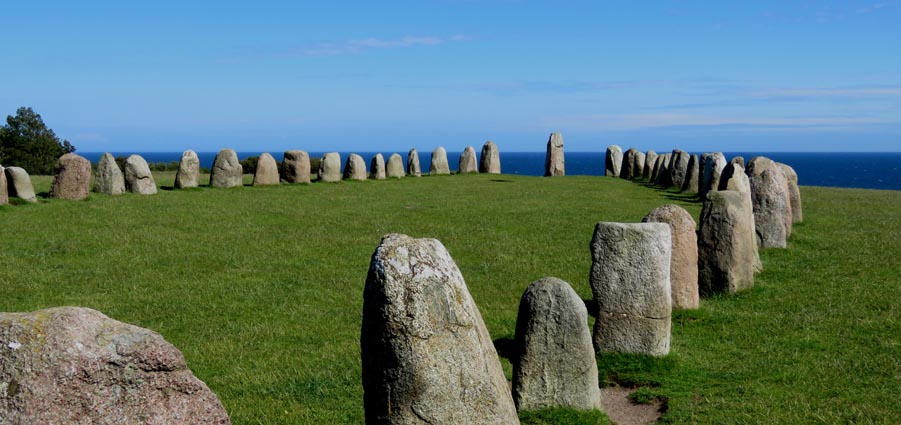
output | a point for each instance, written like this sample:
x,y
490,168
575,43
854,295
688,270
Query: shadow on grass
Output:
x,y
506,348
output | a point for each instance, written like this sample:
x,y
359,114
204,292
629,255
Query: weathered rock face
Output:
x,y
771,203
413,168
556,365
109,178
427,356
740,160
692,182
757,166
665,174
650,160
72,178
296,167
377,167
227,170
630,280
627,166
658,165
613,161
468,162
330,167
554,163
266,173
679,168
490,161
639,165
439,163
188,174
684,262
4,187
19,184
735,179
727,250
794,192
138,178
355,168
395,167
72,365
712,165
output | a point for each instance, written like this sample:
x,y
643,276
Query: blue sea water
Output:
x,y
858,170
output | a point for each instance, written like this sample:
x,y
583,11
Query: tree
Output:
x,y
25,141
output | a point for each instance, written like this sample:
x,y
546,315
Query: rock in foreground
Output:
x,y
18,184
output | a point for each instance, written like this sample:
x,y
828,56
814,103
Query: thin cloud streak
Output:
x,y
359,46
632,122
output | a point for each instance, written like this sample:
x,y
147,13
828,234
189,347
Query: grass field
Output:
x,y
261,288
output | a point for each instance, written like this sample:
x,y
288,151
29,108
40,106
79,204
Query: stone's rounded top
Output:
x,y
73,178
412,151
490,144
439,163
670,213
189,154
266,171
550,287
759,164
439,149
555,140
614,148
468,162
789,172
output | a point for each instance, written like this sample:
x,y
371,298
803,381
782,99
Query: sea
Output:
x,y
866,170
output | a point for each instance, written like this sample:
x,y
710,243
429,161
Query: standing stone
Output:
x,y
740,160
468,163
377,167
627,165
490,162
630,271
664,175
772,206
650,160
4,187
72,179
109,178
684,263
637,169
759,164
188,174
712,165
735,179
138,178
19,184
355,168
554,164
679,167
227,170
395,167
658,164
296,167
794,192
439,165
266,173
330,167
413,168
727,250
556,365
692,182
613,161
73,365
427,355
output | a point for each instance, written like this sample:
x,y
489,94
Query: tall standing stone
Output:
x,y
72,179
296,167
740,160
468,163
4,187
735,179
19,184
330,167
684,262
427,355
712,165
679,167
727,250
138,178
627,166
658,165
638,167
794,192
613,161
650,160
771,202
630,280
266,173
188,174
395,167
109,178
664,174
490,161
556,365
554,163
438,165
355,168
692,182
377,167
413,168
227,170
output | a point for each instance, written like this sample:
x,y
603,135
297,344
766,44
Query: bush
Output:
x,y
25,141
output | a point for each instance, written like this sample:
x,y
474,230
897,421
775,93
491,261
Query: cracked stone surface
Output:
x,y
413,168
295,167
771,201
727,249
138,178
712,165
227,171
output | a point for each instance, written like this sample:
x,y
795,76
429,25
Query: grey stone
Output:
x,y
227,170
413,168
72,365
330,167
627,166
19,184
630,280
771,203
554,162
266,173
650,160
794,192
377,167
712,165
613,161
395,167
684,262
72,178
355,168
658,165
468,163
296,167
727,250
638,167
740,160
735,179
109,178
427,355
490,161
138,178
439,165
664,174
4,187
692,182
556,365
679,167
188,174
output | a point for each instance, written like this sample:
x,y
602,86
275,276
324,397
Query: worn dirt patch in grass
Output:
x,y
621,411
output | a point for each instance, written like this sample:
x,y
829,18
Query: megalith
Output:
x,y
727,250
771,202
658,165
109,178
4,187
627,165
296,167
395,167
72,178
468,163
712,165
227,170
138,178
794,192
355,168
188,174
266,173
73,365
650,160
427,355
377,167
413,168
438,164
684,262
490,161
554,163
329,167
692,182
679,167
556,365
638,167
19,184
613,161
630,281
664,174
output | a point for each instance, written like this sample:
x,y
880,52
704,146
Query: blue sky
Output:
x,y
387,76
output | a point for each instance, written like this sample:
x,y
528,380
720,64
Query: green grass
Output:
x,y
261,288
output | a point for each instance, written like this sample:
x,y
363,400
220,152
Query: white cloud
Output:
x,y
629,122
831,92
